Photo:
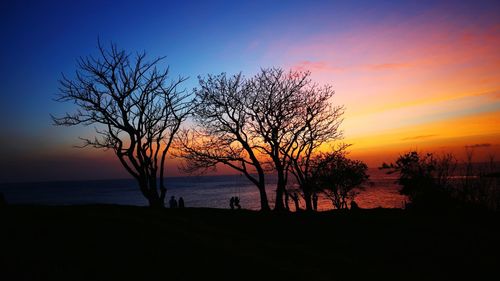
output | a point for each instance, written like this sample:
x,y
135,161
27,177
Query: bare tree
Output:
x,y
269,122
222,134
136,111
274,108
321,121
293,117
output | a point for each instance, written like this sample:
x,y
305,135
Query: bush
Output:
x,y
425,179
337,177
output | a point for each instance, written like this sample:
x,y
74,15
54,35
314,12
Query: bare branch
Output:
x,y
133,108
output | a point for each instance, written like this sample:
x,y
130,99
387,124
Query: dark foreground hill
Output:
x,y
124,243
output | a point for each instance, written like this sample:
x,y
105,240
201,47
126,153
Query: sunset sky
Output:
x,y
419,75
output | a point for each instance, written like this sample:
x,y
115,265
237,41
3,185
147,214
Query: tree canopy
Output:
x,y
274,121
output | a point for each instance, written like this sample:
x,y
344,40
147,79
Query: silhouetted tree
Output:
x,y
137,112
425,179
337,176
222,134
261,124
321,120
292,117
275,108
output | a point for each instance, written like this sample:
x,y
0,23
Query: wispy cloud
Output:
x,y
325,66
479,145
430,79
418,137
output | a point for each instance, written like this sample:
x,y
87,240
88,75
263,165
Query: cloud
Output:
x,y
422,43
478,145
419,137
323,66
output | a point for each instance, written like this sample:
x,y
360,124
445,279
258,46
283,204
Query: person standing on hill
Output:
x,y
237,202
231,203
172,202
181,202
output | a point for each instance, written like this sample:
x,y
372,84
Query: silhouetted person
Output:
x,y
354,206
172,202
3,202
315,201
231,203
181,202
295,198
237,202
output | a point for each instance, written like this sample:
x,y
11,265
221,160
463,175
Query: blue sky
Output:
x,y
42,39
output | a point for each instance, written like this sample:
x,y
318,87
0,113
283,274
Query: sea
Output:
x,y
212,191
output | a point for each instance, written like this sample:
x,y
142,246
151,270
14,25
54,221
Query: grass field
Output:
x,y
124,243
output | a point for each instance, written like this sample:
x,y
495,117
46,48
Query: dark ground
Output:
x,y
123,243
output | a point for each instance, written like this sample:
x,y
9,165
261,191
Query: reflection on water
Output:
x,y
207,191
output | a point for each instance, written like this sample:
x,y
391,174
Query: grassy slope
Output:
x,y
118,242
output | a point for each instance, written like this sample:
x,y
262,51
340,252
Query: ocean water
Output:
x,y
197,191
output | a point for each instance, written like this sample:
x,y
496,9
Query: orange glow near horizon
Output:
x,y
480,132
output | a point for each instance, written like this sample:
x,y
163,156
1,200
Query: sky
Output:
x,y
421,75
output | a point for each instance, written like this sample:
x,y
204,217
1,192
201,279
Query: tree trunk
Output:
x,y
264,203
149,190
280,190
307,199
155,202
